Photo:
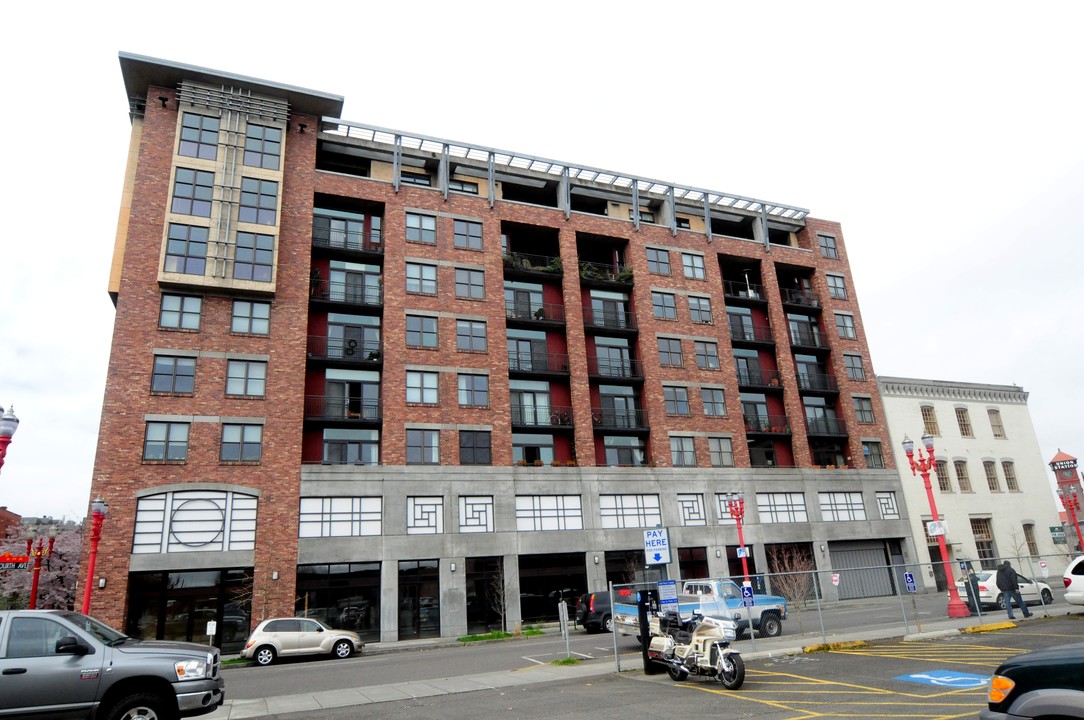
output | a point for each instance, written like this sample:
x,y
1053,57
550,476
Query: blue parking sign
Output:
x,y
909,580
747,595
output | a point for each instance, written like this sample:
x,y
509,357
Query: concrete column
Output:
x,y
389,601
513,617
453,597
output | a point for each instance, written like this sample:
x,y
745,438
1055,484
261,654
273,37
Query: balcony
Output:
x,y
369,243
818,382
767,424
347,293
743,290
762,379
535,416
807,337
618,419
825,426
354,410
519,263
621,321
526,314
606,272
801,298
344,350
614,369
537,363
752,334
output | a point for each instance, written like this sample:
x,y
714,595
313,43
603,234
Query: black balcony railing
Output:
x,y
818,381
758,378
534,263
805,298
613,272
537,362
618,419
807,337
768,424
609,319
825,426
345,349
540,312
751,333
526,415
347,293
322,407
742,289
614,368
356,241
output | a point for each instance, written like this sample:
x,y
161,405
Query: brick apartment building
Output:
x,y
372,376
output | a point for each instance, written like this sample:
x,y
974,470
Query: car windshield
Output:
x,y
99,630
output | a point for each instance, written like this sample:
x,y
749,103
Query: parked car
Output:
x,y
593,612
991,597
1074,582
1041,684
287,637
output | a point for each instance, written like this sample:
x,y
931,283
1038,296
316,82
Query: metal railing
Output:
x,y
770,424
751,333
609,368
807,337
541,312
347,293
323,407
742,289
614,272
541,416
609,418
825,426
609,319
346,349
806,298
537,362
817,381
536,263
758,378
340,239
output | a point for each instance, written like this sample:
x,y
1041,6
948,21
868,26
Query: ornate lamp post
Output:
x,y
42,550
735,505
8,425
1064,467
956,607
99,508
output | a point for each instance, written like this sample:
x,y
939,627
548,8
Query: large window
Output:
x,y
351,446
251,318
845,326
470,336
475,447
836,287
468,235
421,228
992,481
421,331
186,249
963,419
166,441
700,310
421,388
548,512
777,507
259,201
246,378
629,511
982,530
670,352
658,261
664,306
422,447
263,146
707,354
714,402
470,284
676,400
255,257
242,443
473,390
693,265
944,481
194,521
421,279
1011,483
174,375
682,452
963,480
855,369
199,136
180,312
721,450
193,191
842,506
340,516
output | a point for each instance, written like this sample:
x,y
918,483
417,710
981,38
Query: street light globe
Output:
x,y
908,445
8,422
99,506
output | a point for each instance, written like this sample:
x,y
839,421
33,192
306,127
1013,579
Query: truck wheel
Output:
x,y
770,625
140,706
608,623
731,672
677,674
264,655
343,649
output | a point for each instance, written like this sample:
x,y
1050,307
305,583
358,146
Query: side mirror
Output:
x,y
69,645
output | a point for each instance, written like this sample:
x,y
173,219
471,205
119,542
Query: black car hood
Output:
x,y
1074,651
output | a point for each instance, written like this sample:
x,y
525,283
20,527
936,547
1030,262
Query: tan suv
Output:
x,y
298,636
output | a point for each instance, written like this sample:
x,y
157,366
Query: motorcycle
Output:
x,y
698,646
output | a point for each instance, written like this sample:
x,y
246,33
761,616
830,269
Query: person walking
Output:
x,y
1010,589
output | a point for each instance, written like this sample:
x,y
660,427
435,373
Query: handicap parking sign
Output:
x,y
909,581
946,678
747,596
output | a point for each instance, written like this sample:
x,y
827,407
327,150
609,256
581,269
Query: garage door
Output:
x,y
862,572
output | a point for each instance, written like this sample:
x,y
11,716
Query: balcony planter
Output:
x,y
538,463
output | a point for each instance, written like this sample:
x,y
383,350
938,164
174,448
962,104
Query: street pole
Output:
x,y
38,553
8,425
735,505
99,509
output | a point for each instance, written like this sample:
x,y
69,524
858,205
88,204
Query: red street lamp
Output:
x,y
1064,467
99,508
735,505
8,425
956,607
42,550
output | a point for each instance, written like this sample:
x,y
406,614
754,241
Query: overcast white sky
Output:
x,y
944,136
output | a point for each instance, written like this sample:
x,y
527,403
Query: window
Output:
x,y
700,310
421,228
929,420
863,410
474,447
629,511
828,246
470,336
421,388
855,369
351,447
180,312
473,390
242,443
470,284
676,400
193,191
996,427
781,507
549,512
475,512
707,355
683,223
259,201
186,249
425,516
962,479
658,261
340,516
468,235
1011,483
836,287
670,353
263,146
255,257
944,482
173,375
35,637
199,136
1029,538
886,501
984,542
845,326
246,378
841,506
421,278
462,186
872,450
714,402
422,447
645,216
992,481
421,331
414,178
721,451
664,306
251,318
693,265
963,419
682,452
166,441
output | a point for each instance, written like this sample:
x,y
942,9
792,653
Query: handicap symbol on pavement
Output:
x,y
946,678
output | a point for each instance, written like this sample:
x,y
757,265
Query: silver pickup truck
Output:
x,y
60,664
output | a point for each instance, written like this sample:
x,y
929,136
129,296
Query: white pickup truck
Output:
x,y
713,598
